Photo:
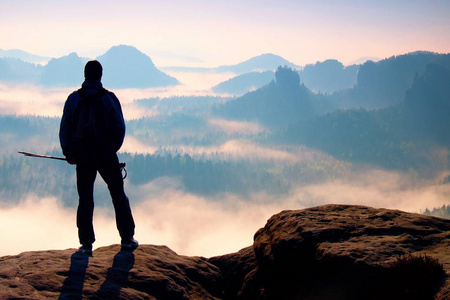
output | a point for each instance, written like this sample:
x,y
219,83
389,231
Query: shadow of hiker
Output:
x,y
73,285
117,276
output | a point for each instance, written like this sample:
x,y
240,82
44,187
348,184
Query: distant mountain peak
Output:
x,y
125,66
23,55
127,52
263,62
265,56
362,60
260,63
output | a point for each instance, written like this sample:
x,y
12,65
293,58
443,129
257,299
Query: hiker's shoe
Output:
x,y
129,245
85,249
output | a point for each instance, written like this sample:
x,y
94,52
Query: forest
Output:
x,y
271,140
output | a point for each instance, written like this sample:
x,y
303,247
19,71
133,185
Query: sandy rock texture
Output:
x,y
150,272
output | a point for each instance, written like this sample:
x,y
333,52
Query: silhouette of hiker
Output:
x,y
91,132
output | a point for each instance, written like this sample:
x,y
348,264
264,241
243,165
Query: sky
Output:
x,y
212,33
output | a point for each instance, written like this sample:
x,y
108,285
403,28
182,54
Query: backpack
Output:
x,y
90,119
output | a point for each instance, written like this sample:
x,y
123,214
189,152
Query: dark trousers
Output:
x,y
107,166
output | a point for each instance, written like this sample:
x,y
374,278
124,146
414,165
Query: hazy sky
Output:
x,y
227,32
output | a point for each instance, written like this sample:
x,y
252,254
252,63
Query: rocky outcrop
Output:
x,y
151,272
326,252
349,252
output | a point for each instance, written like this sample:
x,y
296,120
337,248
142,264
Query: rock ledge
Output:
x,y
325,252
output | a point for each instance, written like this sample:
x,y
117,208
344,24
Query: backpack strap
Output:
x,y
99,93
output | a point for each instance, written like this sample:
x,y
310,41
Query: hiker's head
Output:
x,y
93,70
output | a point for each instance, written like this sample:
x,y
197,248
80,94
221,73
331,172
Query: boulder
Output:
x,y
348,252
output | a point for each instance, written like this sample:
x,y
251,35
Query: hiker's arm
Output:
x,y
118,123
65,132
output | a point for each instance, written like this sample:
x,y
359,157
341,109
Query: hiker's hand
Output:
x,y
71,161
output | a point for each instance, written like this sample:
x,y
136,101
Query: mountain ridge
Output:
x,y
23,55
263,62
128,68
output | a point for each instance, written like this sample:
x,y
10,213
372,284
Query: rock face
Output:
x,y
349,252
326,252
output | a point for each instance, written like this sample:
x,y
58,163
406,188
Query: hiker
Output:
x,y
91,132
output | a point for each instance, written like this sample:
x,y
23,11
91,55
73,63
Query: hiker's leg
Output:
x,y
86,174
109,169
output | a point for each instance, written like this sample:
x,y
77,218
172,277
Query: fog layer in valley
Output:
x,y
34,100
194,225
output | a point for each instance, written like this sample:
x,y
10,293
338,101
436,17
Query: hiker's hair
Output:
x,y
93,70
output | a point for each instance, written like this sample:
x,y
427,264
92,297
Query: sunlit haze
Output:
x,y
211,33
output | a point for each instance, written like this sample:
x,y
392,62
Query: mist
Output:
x,y
237,126
235,149
43,101
33,100
195,225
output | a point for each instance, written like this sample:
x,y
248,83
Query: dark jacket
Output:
x,y
113,111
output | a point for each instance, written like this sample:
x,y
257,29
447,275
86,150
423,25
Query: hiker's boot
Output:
x,y
129,244
85,249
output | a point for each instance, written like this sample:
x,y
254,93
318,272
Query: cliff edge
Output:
x,y
325,252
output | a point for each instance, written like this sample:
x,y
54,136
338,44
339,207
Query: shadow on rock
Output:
x,y
117,276
73,285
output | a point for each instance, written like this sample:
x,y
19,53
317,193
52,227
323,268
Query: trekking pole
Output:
x,y
122,168
121,165
42,156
